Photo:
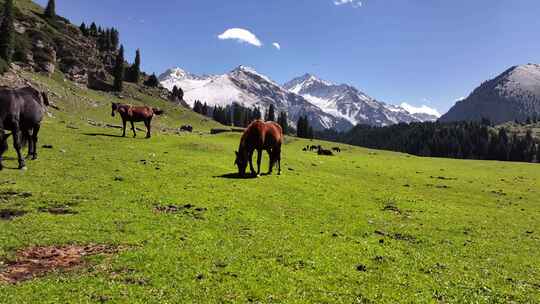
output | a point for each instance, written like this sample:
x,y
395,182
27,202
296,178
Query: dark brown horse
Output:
x,y
260,136
21,112
135,114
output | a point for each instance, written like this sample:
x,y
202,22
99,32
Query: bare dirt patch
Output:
x,y
58,210
9,214
188,209
37,261
6,195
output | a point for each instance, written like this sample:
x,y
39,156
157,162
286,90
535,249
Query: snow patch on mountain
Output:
x,y
420,110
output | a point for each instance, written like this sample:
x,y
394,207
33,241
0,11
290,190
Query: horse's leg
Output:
x,y
34,140
278,157
17,145
124,122
133,129
250,156
26,133
148,124
271,163
259,158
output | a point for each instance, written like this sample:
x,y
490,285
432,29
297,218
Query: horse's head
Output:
x,y
241,162
114,108
41,97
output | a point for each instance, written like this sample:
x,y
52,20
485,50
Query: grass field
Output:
x,y
362,227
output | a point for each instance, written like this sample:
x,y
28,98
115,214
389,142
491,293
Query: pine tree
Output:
x,y
204,109
152,81
115,39
283,122
271,114
135,69
197,107
310,133
50,10
84,29
7,33
93,30
119,71
301,127
257,113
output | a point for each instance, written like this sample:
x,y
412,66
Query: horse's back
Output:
x,y
275,131
21,104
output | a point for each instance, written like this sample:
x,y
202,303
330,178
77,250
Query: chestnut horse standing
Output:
x,y
260,136
135,114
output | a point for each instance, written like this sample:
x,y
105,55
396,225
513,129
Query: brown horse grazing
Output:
x,y
135,114
21,112
260,136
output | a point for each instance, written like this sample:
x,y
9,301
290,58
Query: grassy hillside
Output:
x,y
362,227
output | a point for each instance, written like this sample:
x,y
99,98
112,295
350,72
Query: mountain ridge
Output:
x,y
512,95
247,86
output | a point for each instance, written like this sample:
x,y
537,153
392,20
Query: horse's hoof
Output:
x,y
23,168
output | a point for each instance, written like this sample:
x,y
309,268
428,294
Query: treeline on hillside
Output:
x,y
238,115
464,140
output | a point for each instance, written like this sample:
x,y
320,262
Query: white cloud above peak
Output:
x,y
277,45
353,3
241,35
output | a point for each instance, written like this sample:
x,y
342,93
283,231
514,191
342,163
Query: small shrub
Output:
x,y
3,66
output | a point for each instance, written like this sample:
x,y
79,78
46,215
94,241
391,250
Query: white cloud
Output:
x,y
353,3
277,45
241,35
420,110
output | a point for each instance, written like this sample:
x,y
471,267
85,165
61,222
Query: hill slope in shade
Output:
x,y
515,94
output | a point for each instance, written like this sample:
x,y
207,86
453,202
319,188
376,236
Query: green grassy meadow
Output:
x,y
361,227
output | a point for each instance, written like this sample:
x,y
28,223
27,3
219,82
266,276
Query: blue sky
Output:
x,y
417,51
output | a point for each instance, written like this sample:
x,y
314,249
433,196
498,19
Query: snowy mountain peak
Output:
x,y
176,72
349,103
251,72
305,82
420,110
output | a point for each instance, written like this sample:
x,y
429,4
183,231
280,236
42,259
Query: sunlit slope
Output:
x,y
361,227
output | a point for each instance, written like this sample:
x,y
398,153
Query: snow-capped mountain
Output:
x,y
246,86
347,102
326,105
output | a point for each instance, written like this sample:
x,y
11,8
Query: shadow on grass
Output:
x,y
236,176
102,135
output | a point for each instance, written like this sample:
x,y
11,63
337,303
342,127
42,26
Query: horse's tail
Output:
x,y
158,111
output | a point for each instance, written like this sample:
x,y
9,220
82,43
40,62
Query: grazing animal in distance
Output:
x,y
21,112
186,128
305,149
323,151
135,114
336,149
260,136
313,148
